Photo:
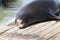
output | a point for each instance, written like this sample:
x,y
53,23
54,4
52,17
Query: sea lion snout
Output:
x,y
19,23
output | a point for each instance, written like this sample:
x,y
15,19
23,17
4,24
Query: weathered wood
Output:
x,y
6,27
49,30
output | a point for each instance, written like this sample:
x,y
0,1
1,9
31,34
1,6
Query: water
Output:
x,y
6,15
9,13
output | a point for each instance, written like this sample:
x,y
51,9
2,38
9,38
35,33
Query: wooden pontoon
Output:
x,y
49,30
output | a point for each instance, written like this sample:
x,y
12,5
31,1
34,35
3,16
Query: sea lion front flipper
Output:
x,y
52,15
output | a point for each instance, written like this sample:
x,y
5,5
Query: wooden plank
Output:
x,y
42,31
55,37
44,27
5,27
2,39
34,27
50,31
26,32
8,32
36,32
20,31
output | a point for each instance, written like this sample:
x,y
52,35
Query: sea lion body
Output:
x,y
36,10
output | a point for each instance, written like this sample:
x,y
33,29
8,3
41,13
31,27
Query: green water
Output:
x,y
7,14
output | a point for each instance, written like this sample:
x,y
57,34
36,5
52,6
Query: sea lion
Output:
x,y
37,10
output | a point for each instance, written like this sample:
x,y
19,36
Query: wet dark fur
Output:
x,y
37,10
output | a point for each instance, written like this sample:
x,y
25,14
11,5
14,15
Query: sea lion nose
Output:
x,y
19,24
